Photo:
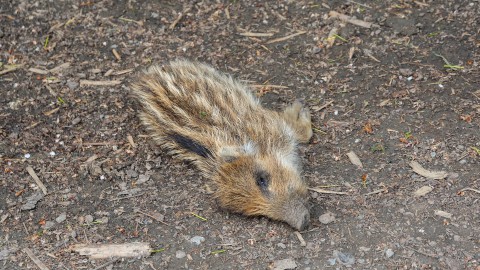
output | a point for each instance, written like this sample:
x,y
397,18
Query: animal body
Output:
x,y
203,116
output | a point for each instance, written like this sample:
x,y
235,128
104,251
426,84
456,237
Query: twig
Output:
x,y
180,16
37,180
99,83
251,34
127,197
117,55
35,259
300,238
7,70
100,143
59,68
423,253
107,264
121,72
320,190
375,192
360,4
148,215
322,107
269,85
38,71
287,37
351,20
470,189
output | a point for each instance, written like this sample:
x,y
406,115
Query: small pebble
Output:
x,y
327,218
284,264
88,219
180,254
27,155
52,154
344,258
61,218
48,225
76,121
389,253
463,161
197,240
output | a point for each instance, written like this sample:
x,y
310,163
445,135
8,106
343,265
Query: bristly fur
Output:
x,y
214,121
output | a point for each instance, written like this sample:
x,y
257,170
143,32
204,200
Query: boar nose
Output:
x,y
296,214
305,222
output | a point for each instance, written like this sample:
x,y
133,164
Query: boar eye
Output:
x,y
262,179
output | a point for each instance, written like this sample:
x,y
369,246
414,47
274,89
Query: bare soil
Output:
x,y
405,89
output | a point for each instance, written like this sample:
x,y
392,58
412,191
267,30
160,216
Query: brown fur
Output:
x,y
206,117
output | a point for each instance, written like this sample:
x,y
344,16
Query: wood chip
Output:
x,y
351,20
251,34
10,69
117,55
37,180
35,259
354,159
325,191
38,71
99,83
60,68
130,140
285,38
300,238
422,191
443,214
105,251
426,173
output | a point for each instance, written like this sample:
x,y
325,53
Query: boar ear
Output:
x,y
231,153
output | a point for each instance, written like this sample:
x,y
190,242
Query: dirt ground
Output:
x,y
402,86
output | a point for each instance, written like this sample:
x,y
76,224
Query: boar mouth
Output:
x,y
296,214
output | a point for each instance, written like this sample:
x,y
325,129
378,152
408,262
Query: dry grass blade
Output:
x,y
285,38
127,250
321,190
426,173
100,83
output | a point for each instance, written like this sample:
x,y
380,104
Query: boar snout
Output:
x,y
297,214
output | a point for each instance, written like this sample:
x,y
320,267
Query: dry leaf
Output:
x,y
422,191
354,159
368,128
426,173
443,214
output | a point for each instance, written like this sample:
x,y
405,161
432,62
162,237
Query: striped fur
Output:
x,y
201,115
